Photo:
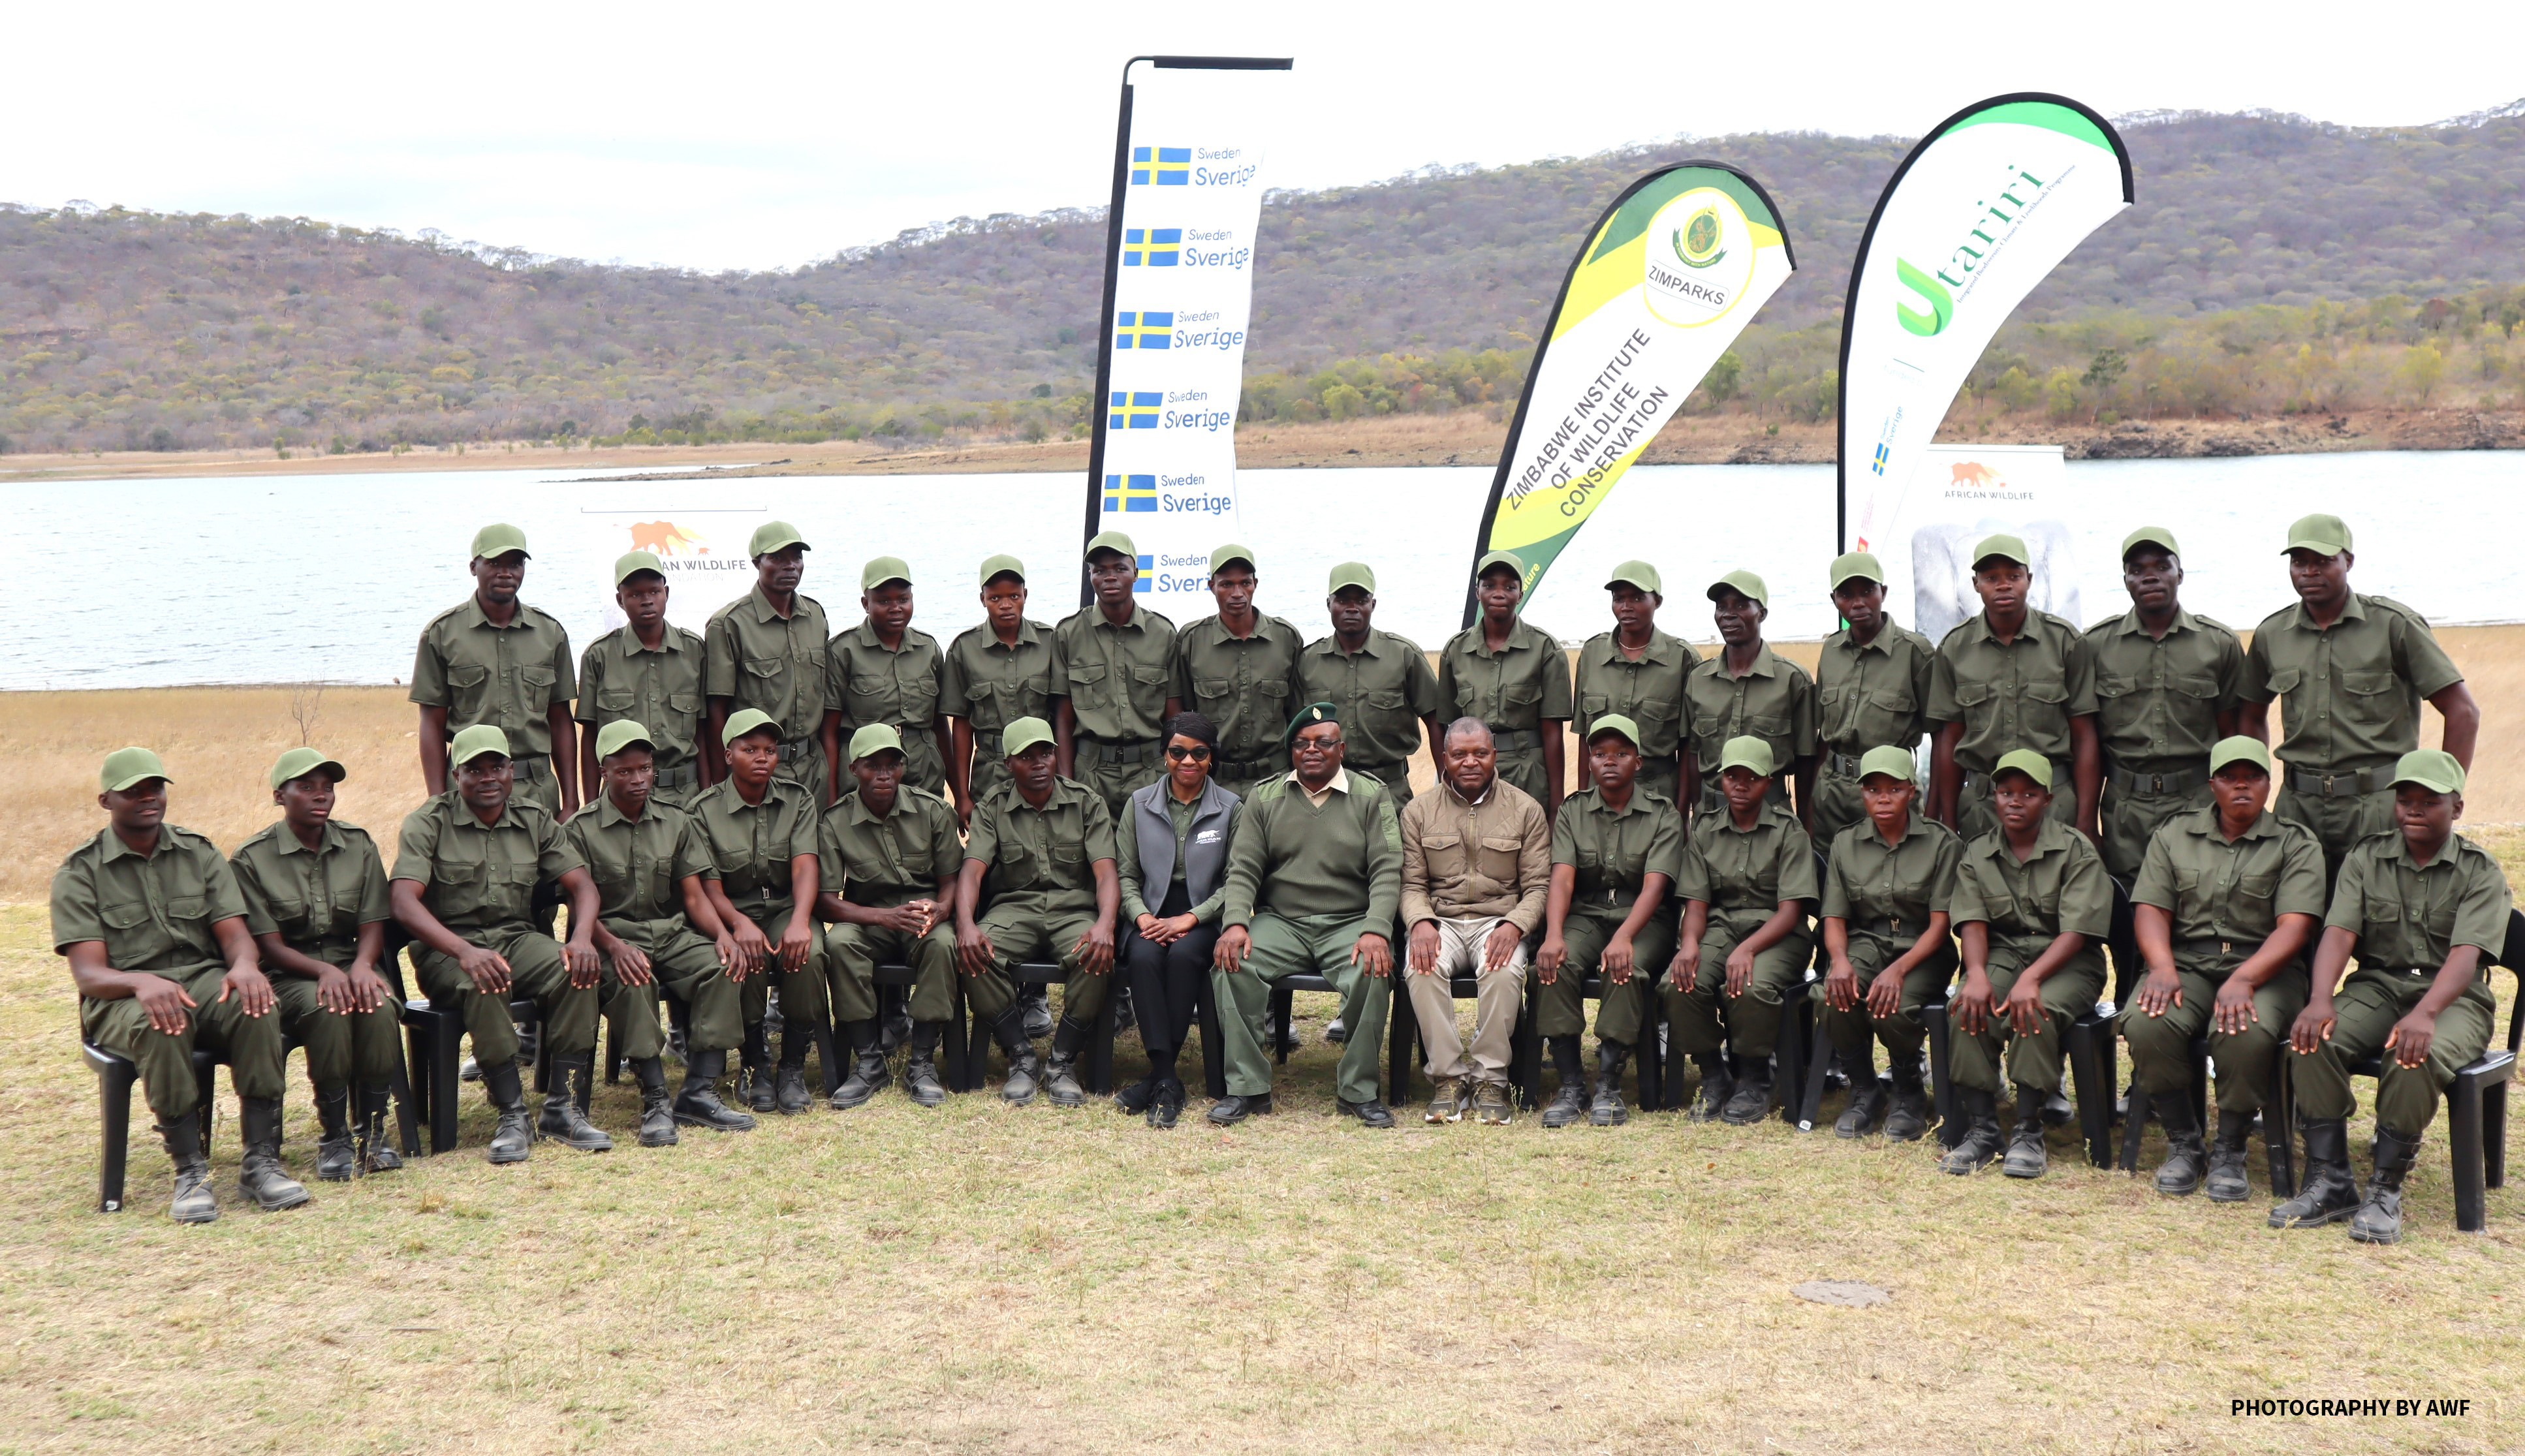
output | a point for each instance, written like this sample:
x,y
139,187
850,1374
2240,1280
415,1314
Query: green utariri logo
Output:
x,y
1942,303
1696,242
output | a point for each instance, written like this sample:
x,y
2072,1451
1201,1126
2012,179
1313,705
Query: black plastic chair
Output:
x,y
1790,1056
2089,1046
432,1039
1096,1074
2278,1123
115,1076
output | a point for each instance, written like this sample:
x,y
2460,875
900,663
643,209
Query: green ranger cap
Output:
x,y
1889,760
1353,575
2324,535
750,720
1639,574
1856,566
1221,556
2150,536
772,536
1002,565
1743,584
497,540
2430,768
2239,749
881,569
633,561
298,763
1023,733
1308,717
477,741
1114,542
874,738
1508,559
1746,751
1615,723
124,768
621,734
2006,548
2027,763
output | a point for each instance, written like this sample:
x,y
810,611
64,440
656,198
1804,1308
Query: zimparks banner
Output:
x,y
1188,181
1981,211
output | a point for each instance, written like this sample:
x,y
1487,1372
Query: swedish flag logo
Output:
x,y
1152,247
1135,410
1144,330
1162,166
1130,493
1882,455
1147,579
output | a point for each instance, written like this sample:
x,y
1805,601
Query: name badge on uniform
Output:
x,y
1206,837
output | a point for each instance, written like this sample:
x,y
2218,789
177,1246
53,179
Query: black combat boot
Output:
x,y
1168,1104
261,1178
2186,1161
754,1082
1716,1087
194,1202
1981,1141
1023,1067
789,1090
1752,1101
2379,1218
868,1075
1569,1103
1609,1109
698,1105
1909,1117
2329,1193
377,1152
561,1117
1060,1074
1035,1002
336,1158
656,1113
2227,1184
1866,1109
920,1067
2026,1155
515,1136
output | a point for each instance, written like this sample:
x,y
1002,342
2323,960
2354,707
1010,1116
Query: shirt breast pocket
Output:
x,y
2286,679
1594,704
1499,858
684,703
617,699
2116,685
1087,684
1387,703
538,684
1149,687
2369,699
1973,694
457,887
467,684
870,694
1212,690
2254,894
1521,705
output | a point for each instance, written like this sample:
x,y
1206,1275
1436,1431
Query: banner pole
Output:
x,y
1096,416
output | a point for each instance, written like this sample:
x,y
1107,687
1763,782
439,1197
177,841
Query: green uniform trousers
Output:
x,y
364,1046
2364,1009
2032,1061
1855,1033
1022,929
678,956
1395,777
1837,806
1704,1017
1302,945
713,1006
536,973
2161,1046
1560,1008
803,996
2129,820
1117,781
166,1063
2339,823
852,954
1525,769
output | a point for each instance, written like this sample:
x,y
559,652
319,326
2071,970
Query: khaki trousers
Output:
x,y
1495,1005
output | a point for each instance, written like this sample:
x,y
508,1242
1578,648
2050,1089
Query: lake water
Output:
x,y
148,582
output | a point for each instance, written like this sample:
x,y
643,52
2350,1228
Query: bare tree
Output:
x,y
306,704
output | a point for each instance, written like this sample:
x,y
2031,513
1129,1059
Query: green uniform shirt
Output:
x,y
477,878
1047,855
511,677
2157,700
894,860
2063,889
1749,871
867,684
752,844
1383,691
154,912
1117,678
2407,917
1649,692
1299,860
1873,884
1127,858
2234,893
1246,685
1774,702
754,657
2351,691
1514,690
315,900
2020,696
1612,851
990,684
660,690
639,864
1875,696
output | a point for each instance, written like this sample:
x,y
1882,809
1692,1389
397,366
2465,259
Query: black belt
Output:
x,y
1656,768
2182,781
2340,784
985,738
1890,928
797,748
1514,740
1252,768
1104,750
1842,766
681,776
2202,948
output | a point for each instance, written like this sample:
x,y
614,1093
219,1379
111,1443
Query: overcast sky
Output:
x,y
766,135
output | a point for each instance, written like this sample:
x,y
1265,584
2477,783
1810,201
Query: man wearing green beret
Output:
x,y
765,651
1314,878
2225,905
2010,678
762,828
497,662
1238,667
1871,691
1746,690
656,927
316,900
2425,910
647,671
885,670
1047,842
1379,683
1512,677
465,872
1888,889
2168,684
891,857
2349,671
1637,672
993,675
2032,907
153,928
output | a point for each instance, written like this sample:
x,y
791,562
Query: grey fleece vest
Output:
x,y
1205,848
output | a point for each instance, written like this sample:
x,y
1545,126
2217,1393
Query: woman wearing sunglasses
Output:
x,y
1173,860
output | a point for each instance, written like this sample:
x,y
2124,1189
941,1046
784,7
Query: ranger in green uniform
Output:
x,y
656,927
316,900
1616,849
649,671
2349,671
1514,677
151,921
2011,678
1888,886
891,857
1238,667
993,674
762,832
1637,672
1748,880
2426,911
885,670
466,870
1048,843
497,662
1379,684
1314,879
2225,903
1112,675
2168,685
1745,691
2032,907
1871,691
764,650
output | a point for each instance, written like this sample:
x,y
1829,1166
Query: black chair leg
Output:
x,y
1282,1005
2134,1122
2464,1142
1789,1055
1650,1070
2279,1129
444,1037
1942,1089
407,1118
1402,1034
1213,1043
1525,1059
1099,1081
2494,1136
416,1056
114,1082
1819,1059
206,1075
828,1055
2090,1060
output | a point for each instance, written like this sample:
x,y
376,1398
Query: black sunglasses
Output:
x,y
1198,754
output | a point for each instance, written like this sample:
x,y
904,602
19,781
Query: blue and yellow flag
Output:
x,y
1164,167
1130,492
1135,410
1144,331
1147,578
1152,247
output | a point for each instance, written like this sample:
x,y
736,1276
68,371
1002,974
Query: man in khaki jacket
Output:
x,y
1476,868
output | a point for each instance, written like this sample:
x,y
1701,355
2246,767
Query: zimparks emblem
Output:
x,y
1706,261
1697,243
